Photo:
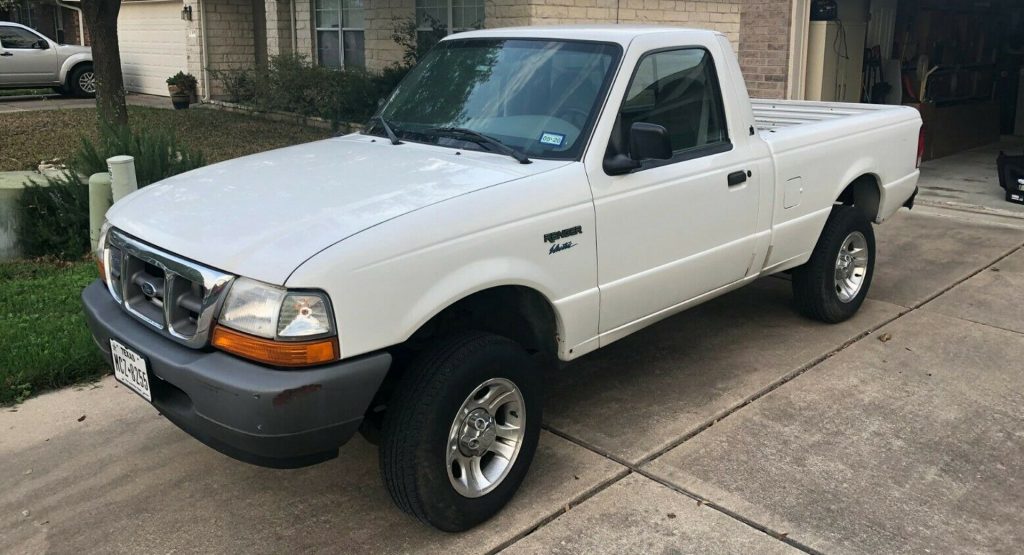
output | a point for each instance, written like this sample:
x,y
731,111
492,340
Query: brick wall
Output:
x,y
722,16
230,40
279,27
381,18
764,46
758,29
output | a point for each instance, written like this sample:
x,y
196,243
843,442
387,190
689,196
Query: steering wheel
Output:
x,y
574,116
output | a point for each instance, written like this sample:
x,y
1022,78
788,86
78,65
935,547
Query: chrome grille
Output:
x,y
169,293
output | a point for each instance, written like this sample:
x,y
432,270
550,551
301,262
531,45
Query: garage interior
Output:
x,y
958,61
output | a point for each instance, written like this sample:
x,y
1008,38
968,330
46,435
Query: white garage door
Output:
x,y
152,39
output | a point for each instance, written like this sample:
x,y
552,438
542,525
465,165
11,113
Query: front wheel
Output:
x,y
832,285
82,81
461,430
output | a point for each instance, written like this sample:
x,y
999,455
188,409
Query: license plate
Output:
x,y
130,369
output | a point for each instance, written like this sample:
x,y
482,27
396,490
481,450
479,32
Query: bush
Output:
x,y
240,85
185,82
53,219
158,154
290,83
415,42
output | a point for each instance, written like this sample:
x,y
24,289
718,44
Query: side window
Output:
x,y
677,89
13,37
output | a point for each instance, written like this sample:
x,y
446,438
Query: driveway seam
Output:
x,y
616,478
720,416
781,536
987,325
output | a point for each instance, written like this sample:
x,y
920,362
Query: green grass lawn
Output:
x,y
44,339
25,92
32,137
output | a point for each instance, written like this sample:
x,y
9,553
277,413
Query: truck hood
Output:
x,y
263,215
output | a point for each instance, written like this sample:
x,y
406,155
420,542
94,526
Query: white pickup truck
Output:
x,y
524,196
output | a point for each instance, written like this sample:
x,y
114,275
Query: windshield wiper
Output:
x,y
480,138
387,129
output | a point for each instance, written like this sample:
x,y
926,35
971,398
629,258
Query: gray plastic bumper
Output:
x,y
254,413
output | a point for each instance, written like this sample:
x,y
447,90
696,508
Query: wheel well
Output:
x,y
72,69
516,312
519,313
864,193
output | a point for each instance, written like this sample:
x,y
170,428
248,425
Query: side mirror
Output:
x,y
647,141
42,45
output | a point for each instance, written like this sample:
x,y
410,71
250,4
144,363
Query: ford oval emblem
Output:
x,y
148,288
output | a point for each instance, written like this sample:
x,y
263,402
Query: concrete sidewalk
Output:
x,y
735,427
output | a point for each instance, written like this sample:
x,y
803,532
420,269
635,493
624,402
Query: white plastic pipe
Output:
x,y
122,176
99,203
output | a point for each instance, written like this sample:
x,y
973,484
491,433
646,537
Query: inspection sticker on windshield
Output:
x,y
553,139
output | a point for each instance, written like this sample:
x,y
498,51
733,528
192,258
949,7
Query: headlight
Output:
x,y
303,315
278,327
274,312
99,254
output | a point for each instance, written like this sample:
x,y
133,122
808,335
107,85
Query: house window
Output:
x,y
441,17
339,33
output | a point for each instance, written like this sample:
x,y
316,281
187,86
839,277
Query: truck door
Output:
x,y
672,230
26,58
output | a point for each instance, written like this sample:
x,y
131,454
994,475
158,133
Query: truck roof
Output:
x,y
621,34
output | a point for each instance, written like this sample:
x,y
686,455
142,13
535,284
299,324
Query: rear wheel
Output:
x,y
82,81
461,430
832,285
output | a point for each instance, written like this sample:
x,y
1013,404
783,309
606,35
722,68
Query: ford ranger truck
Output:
x,y
524,196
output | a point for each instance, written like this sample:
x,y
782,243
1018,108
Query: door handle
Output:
x,y
735,178
6,54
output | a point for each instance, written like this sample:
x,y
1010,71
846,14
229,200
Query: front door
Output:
x,y
23,60
674,229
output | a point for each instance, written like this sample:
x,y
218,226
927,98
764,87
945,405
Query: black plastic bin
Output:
x,y
1011,176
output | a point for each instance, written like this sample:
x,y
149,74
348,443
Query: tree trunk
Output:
x,y
101,19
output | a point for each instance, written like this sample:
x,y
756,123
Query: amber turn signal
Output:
x,y
276,353
101,268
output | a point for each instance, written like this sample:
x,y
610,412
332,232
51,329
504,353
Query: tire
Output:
x,y
427,427
82,81
832,285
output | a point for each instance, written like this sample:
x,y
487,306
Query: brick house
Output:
x,y
160,37
358,33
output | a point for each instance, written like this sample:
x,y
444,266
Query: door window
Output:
x,y
677,89
15,37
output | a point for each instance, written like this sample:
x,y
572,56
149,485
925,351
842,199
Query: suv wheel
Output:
x,y
832,285
82,81
461,430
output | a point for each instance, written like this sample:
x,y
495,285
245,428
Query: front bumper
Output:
x,y
257,414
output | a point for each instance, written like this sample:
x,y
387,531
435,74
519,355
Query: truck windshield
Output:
x,y
538,97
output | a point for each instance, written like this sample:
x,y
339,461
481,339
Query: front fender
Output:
x,y
386,282
72,61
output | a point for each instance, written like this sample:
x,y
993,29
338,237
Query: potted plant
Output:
x,y
182,87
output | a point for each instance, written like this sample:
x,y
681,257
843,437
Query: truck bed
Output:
x,y
819,148
776,114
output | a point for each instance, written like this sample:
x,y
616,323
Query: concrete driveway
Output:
x,y
735,427
12,104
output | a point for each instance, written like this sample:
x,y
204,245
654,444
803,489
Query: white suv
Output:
x,y
28,59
